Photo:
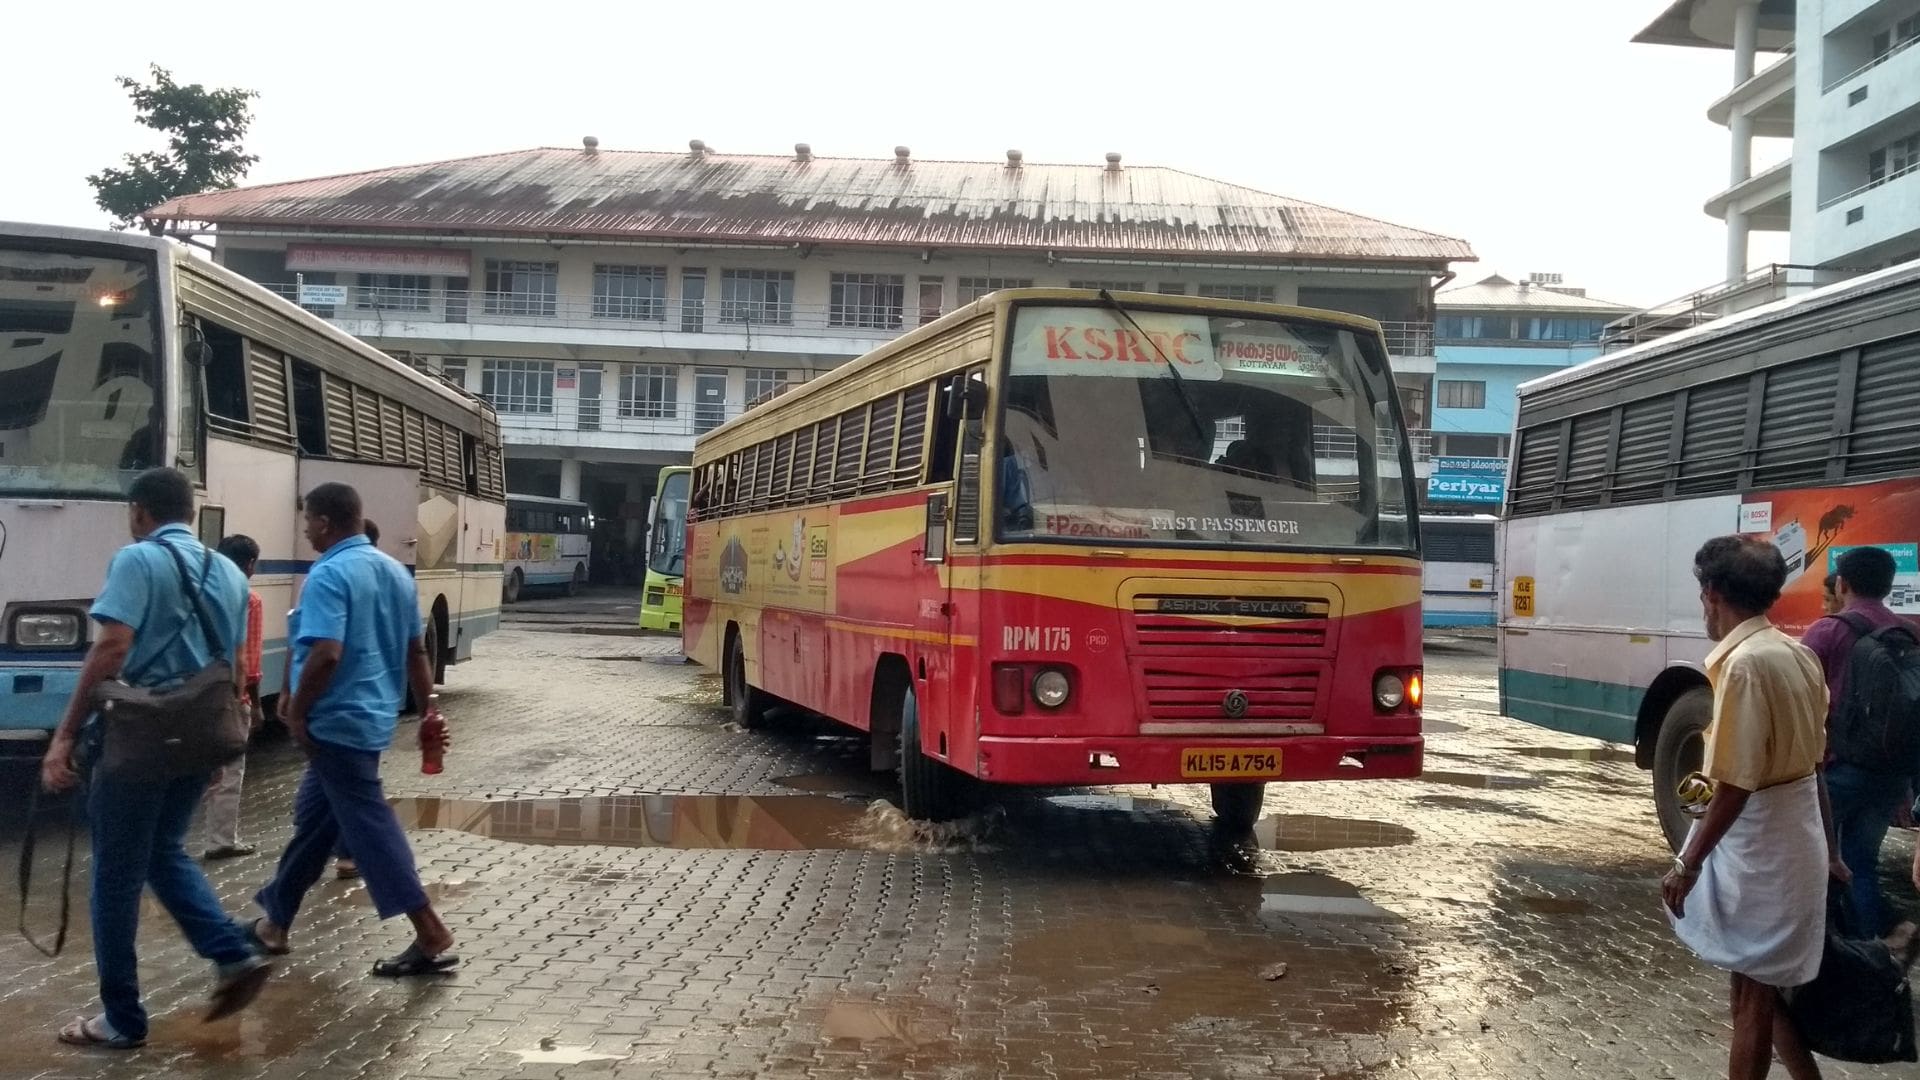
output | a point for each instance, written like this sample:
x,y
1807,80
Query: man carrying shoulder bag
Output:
x,y
161,684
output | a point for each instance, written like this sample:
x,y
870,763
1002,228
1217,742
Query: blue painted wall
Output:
x,y
1502,368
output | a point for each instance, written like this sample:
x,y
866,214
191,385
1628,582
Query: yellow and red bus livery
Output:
x,y
1061,537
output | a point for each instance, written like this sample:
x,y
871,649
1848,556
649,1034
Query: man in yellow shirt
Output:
x,y
1748,891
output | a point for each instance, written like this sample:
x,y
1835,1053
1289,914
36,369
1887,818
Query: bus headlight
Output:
x,y
1389,691
46,629
1051,688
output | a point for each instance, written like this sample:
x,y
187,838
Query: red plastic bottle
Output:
x,y
433,738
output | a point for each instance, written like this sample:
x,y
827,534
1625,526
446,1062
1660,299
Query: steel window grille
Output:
x,y
1461,394
522,288
629,292
973,288
393,292
762,383
871,301
649,392
1261,294
518,386
756,297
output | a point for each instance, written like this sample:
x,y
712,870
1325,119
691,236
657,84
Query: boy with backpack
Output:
x,y
1872,661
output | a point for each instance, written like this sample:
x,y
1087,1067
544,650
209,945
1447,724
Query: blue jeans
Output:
x,y
340,802
1863,807
139,841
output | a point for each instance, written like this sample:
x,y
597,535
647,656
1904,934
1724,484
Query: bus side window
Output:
x,y
309,409
946,428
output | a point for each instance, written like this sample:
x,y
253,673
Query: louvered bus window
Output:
x,y
882,432
802,470
1715,430
393,444
846,460
416,440
1796,422
366,424
1586,460
782,469
763,475
1646,434
339,405
1537,465
821,488
272,418
1886,409
913,436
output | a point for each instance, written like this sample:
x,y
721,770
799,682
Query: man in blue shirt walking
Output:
x,y
150,636
356,638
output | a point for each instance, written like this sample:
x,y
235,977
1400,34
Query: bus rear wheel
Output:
x,y
1681,748
930,789
749,704
510,592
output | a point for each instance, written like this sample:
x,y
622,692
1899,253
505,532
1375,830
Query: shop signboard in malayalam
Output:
x,y
1468,480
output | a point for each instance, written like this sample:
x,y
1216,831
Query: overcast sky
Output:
x,y
1530,128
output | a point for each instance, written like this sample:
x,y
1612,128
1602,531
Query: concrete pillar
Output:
x,y
1746,38
1740,166
1736,244
569,478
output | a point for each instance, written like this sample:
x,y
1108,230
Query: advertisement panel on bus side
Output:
x,y
1812,527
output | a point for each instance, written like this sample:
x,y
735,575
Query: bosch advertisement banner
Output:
x,y
1468,480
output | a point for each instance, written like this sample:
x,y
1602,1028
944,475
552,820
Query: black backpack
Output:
x,y
1877,726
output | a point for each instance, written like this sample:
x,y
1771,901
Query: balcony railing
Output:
x,y
608,415
677,315
1761,285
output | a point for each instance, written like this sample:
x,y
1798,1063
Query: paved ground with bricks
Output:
x,y
642,890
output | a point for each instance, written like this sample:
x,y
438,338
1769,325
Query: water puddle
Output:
x,y
1553,905
767,823
550,1052
865,1022
668,659
698,822
1482,780
1312,832
1316,894
624,659
1575,753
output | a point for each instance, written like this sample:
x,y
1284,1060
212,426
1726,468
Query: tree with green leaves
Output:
x,y
203,128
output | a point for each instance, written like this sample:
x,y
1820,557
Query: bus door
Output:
x,y
390,498
951,536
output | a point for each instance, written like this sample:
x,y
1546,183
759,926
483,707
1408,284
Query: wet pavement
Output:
x,y
642,890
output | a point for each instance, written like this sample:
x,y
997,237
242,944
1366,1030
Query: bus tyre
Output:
x,y
1678,754
930,789
510,592
749,704
578,580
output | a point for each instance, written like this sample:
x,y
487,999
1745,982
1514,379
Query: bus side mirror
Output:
x,y
966,397
935,549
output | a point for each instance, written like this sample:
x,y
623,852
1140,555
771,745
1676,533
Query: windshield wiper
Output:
x,y
1179,380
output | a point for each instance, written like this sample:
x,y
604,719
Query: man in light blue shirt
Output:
x,y
151,636
356,638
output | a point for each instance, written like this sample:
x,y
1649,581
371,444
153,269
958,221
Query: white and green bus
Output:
x,y
120,352
1798,421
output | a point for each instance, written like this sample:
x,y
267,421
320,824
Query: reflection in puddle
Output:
x,y
912,1025
1482,780
550,1052
1123,804
774,823
1576,753
1311,832
1316,894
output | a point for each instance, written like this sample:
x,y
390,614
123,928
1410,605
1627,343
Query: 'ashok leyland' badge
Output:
x,y
1234,704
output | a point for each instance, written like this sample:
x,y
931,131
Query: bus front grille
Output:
x,y
1230,622
1187,697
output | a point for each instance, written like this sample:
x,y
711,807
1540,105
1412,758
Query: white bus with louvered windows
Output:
x,y
1798,422
120,352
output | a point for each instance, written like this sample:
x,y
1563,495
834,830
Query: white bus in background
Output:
x,y
1458,581
119,352
549,542
1798,422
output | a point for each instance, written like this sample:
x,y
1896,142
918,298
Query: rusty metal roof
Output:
x,y
714,197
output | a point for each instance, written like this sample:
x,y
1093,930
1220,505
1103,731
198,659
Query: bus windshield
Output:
x,y
1221,430
669,543
79,375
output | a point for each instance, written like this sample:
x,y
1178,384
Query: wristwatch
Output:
x,y
1681,868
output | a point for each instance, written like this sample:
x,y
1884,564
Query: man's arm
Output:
x,y
419,675
104,660
1725,808
323,660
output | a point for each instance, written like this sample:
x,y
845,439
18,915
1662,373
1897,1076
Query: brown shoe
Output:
x,y
346,869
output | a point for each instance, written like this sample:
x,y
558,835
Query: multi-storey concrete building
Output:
x,y
614,305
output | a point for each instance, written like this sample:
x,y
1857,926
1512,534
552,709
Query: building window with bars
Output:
x,y
973,288
518,386
1110,286
870,301
522,288
649,392
756,297
1461,394
393,292
763,383
1260,294
629,292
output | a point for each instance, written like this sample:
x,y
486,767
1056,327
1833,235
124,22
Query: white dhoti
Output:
x,y
1760,905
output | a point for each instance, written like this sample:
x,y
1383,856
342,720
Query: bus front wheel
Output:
x,y
510,592
930,789
749,704
1678,754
